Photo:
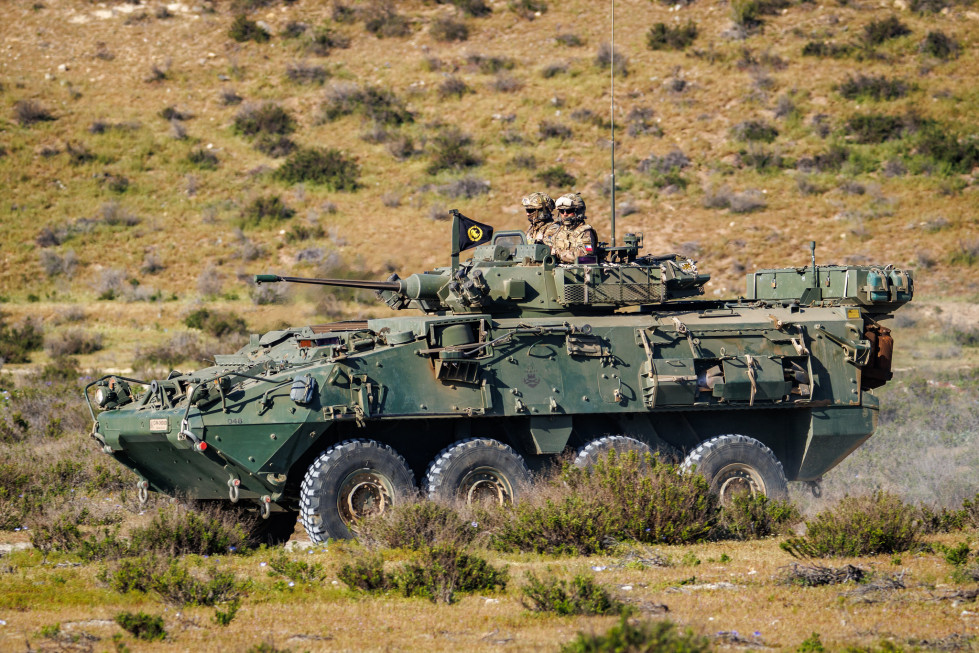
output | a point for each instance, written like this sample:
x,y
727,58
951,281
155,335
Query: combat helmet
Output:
x,y
573,207
539,207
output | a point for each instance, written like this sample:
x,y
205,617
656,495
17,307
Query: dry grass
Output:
x,y
743,595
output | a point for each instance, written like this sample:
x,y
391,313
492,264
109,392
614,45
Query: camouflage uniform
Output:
x,y
539,209
575,237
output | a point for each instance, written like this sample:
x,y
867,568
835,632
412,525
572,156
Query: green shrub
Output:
x,y
379,105
365,573
954,154
72,342
264,118
527,9
664,37
875,127
754,130
556,177
17,343
216,323
177,586
274,145
644,637
749,517
265,210
242,29
856,526
142,626
448,29
226,616
627,497
824,49
328,167
416,526
444,569
878,31
876,88
176,531
296,570
942,520
473,8
581,595
325,40
28,112
940,45
203,159
451,149
382,20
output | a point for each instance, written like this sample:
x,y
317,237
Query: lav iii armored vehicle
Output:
x,y
506,361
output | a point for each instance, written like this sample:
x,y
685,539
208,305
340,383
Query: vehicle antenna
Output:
x,y
611,93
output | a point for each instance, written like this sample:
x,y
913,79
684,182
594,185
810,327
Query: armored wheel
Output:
x,y
350,480
736,463
477,470
599,448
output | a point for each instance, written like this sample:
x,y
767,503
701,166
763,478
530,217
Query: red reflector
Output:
x,y
305,343
201,446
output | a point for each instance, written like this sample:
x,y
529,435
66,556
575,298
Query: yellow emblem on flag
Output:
x,y
474,233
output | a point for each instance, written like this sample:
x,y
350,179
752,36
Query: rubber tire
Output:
x,y
754,458
446,474
275,530
319,494
599,448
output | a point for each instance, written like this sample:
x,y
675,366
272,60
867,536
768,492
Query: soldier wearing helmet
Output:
x,y
575,237
540,207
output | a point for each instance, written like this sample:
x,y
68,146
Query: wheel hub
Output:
x,y
363,493
486,486
737,479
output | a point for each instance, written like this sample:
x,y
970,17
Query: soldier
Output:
x,y
542,228
575,237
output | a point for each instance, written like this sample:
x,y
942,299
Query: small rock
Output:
x,y
298,545
6,549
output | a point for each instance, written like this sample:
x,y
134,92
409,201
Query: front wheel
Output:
x,y
735,464
349,481
599,449
477,470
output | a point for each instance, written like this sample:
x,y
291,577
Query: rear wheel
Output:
x,y
599,449
478,470
735,464
349,481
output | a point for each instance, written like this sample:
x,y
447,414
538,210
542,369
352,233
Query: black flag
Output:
x,y
472,233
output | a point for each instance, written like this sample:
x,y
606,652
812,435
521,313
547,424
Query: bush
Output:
x,y
747,201
940,45
365,573
556,177
265,210
417,525
73,342
452,150
379,105
473,8
17,343
856,526
878,88
607,56
569,40
177,531
447,29
274,145
324,40
328,167
548,129
203,159
444,569
28,112
643,637
242,29
142,626
527,9
875,127
303,73
663,37
754,130
749,517
297,571
217,324
264,118
467,187
178,586
381,20
580,596
824,49
877,32
452,85
489,65
629,497
506,83
945,147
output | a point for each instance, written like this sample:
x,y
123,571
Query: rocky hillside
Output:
x,y
154,152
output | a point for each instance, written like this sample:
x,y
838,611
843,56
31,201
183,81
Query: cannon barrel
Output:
x,y
417,286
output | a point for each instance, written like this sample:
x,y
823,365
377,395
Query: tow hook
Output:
x,y
142,491
816,487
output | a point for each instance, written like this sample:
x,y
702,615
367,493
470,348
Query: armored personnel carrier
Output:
x,y
499,363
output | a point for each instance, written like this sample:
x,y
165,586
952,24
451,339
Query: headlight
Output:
x,y
104,395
